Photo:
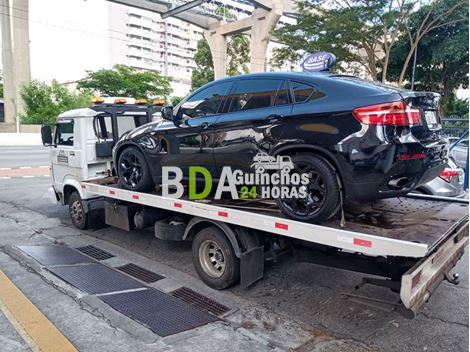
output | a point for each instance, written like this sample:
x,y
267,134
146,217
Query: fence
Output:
x,y
454,126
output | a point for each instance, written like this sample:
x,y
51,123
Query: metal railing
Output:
x,y
454,126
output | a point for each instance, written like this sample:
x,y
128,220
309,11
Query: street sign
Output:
x,y
319,61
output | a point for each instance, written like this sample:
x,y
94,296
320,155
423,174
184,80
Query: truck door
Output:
x,y
65,156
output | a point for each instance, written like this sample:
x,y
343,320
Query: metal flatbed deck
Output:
x,y
403,227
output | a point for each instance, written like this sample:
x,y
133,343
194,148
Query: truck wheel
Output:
x,y
77,211
134,173
323,197
214,258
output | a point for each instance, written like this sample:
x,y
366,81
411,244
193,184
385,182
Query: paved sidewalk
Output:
x,y
91,325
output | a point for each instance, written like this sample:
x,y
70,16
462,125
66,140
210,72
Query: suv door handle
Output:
x,y
205,125
274,117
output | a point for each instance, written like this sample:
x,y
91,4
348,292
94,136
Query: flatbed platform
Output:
x,y
406,226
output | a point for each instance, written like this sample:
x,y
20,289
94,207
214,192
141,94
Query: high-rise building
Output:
x,y
149,42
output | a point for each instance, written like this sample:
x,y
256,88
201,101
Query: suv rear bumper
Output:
x,y
382,189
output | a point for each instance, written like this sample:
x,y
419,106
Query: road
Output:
x,y
304,294
21,156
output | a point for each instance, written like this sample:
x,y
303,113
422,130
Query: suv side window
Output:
x,y
302,91
64,133
254,94
205,103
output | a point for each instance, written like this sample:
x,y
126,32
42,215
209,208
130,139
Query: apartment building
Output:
x,y
148,42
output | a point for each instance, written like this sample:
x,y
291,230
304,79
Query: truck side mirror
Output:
x,y
46,135
167,113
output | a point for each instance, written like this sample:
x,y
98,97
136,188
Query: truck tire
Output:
x,y
133,170
324,192
170,229
214,258
77,212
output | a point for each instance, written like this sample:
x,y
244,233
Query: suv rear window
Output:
x,y
254,94
302,91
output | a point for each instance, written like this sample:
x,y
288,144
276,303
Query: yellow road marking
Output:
x,y
37,331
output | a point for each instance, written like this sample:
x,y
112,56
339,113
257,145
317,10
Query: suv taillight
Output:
x,y
397,113
448,174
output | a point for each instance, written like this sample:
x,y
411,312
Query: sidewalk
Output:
x,y
12,139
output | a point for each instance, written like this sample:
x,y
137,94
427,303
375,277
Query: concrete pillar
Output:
x,y
264,22
218,46
9,94
15,58
21,54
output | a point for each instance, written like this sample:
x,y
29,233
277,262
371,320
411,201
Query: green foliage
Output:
x,y
442,56
126,81
238,56
204,72
1,90
457,107
44,102
175,100
343,28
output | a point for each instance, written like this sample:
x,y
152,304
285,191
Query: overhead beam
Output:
x,y
161,7
189,5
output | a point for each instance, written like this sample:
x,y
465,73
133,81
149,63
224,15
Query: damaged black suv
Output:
x,y
355,138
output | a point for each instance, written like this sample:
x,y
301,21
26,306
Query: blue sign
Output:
x,y
319,61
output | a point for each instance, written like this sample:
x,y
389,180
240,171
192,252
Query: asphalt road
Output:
x,y
21,156
306,293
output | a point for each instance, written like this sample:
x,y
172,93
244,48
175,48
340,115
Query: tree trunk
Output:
x,y
406,63
445,97
385,67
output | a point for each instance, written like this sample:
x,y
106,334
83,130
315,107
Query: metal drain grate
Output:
x,y
140,273
95,252
200,301
163,314
95,278
55,255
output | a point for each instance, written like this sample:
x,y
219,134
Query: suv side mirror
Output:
x,y
167,113
46,135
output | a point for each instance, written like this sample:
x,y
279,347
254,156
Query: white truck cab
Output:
x,y
81,149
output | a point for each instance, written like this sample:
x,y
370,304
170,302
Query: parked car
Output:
x,y
459,151
377,141
449,183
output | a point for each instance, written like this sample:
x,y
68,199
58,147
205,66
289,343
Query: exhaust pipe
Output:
x,y
399,182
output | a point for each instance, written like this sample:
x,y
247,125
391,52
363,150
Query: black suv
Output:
x,y
363,139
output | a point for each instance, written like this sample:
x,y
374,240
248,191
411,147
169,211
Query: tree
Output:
x,y
238,55
457,107
442,55
356,31
44,102
204,71
126,81
438,14
1,89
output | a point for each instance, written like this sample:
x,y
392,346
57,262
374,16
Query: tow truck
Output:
x,y
408,245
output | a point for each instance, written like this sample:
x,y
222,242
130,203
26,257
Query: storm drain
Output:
x,y
200,301
55,255
95,252
140,273
163,314
95,278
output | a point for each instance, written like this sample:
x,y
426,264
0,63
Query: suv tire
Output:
x,y
324,191
133,171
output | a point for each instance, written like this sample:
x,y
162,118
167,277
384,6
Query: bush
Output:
x,y
44,102
175,100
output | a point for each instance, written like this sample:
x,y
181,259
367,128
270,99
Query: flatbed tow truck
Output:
x,y
408,244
